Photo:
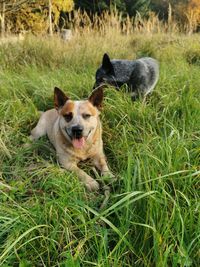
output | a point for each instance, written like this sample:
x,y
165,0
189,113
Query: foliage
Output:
x,y
189,11
126,7
141,6
59,6
184,11
97,6
160,7
113,20
33,15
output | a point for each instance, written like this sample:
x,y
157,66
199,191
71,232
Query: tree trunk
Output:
x,y
50,19
2,18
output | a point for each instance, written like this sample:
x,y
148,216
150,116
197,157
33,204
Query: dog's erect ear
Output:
x,y
96,98
59,98
107,65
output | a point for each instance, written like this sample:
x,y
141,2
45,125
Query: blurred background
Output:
x,y
64,16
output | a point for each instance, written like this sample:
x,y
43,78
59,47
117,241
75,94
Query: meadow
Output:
x,y
47,218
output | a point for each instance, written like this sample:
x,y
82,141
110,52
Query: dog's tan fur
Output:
x,y
85,113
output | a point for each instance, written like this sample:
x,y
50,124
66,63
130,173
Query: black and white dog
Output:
x,y
140,75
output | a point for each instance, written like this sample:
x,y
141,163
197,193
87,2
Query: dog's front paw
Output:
x,y
108,177
92,185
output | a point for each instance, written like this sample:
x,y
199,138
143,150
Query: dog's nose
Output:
x,y
77,131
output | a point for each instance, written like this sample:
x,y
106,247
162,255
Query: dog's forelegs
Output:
x,y
88,181
100,162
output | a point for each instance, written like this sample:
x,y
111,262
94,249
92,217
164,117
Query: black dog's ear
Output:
x,y
96,98
59,98
107,65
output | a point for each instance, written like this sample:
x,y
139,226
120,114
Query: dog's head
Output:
x,y
106,73
78,119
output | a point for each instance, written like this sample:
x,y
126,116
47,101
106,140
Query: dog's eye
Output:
x,y
86,116
68,117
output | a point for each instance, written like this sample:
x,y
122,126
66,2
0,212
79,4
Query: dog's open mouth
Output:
x,y
78,142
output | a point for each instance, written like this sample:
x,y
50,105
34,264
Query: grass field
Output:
x,y
152,218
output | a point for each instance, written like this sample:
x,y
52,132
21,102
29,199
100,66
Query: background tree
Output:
x,y
33,15
125,6
160,7
134,6
188,12
8,6
92,6
2,17
59,6
184,11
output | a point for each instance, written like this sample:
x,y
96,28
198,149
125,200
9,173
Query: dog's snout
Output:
x,y
77,131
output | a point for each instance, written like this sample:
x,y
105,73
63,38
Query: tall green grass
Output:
x,y
47,218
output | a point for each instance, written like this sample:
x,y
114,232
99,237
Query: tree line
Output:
x,y
39,16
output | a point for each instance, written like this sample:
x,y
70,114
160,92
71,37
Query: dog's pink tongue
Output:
x,y
78,143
